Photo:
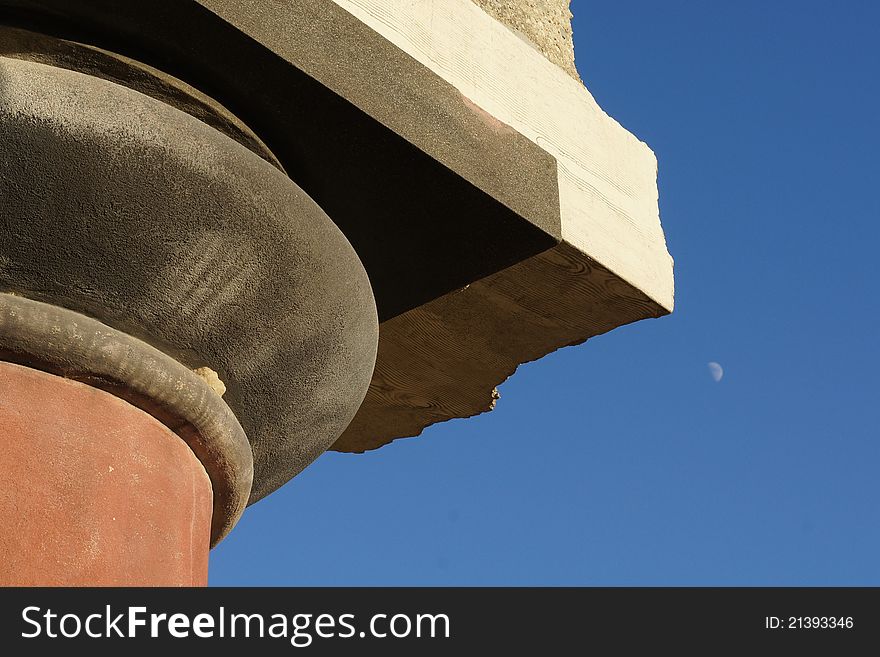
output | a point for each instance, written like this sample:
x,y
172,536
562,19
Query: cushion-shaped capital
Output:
x,y
135,213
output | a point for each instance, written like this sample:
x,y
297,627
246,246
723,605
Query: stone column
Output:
x,y
95,491
182,328
120,466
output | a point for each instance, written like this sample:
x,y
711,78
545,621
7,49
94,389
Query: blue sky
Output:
x,y
621,461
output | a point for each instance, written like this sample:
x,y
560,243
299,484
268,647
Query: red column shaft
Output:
x,y
94,491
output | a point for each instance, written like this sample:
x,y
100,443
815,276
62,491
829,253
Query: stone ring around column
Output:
x,y
68,344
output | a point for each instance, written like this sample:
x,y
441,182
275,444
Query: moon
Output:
x,y
716,371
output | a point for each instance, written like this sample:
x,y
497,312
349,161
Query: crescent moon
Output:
x,y
716,371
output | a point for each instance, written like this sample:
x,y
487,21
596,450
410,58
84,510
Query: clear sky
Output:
x,y
622,461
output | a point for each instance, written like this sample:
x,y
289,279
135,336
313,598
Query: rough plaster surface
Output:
x,y
44,49
545,23
95,492
128,210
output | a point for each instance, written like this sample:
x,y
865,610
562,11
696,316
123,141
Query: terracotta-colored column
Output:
x,y
119,465
94,491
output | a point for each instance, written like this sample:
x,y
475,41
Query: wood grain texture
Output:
x,y
445,359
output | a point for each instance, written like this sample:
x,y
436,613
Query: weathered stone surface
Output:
x,y
44,49
95,492
545,23
443,360
135,213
